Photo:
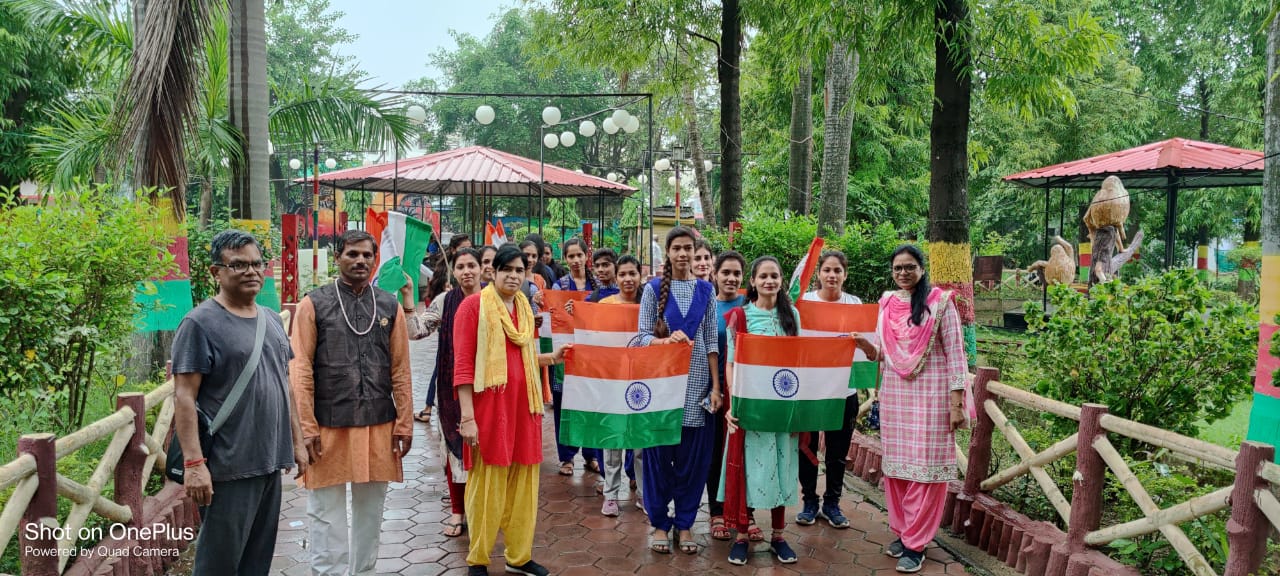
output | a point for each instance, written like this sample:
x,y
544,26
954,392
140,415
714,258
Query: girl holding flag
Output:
x,y
678,308
466,271
616,462
832,272
579,278
762,464
922,403
728,278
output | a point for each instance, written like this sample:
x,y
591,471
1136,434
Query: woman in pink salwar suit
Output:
x,y
922,403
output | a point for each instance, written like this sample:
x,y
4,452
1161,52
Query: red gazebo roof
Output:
x,y
451,173
1176,162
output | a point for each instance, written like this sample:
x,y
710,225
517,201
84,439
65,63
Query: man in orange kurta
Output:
x,y
351,380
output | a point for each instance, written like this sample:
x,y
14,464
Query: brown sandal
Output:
x,y
754,533
423,415
454,529
592,466
719,530
566,468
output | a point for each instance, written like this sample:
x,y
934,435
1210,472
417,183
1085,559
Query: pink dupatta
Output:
x,y
905,345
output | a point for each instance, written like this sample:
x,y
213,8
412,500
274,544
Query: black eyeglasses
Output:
x,y
242,267
908,269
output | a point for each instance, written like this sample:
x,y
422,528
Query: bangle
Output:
x,y
465,420
194,463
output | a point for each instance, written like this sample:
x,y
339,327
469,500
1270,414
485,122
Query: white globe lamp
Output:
x,y
642,178
416,114
587,128
330,163
632,125
295,164
612,177
485,114
707,165
620,117
550,115
609,126
662,165
550,140
671,180
567,138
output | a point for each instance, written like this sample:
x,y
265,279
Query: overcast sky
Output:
x,y
396,37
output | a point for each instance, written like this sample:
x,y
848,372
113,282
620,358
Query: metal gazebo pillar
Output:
x,y
1170,219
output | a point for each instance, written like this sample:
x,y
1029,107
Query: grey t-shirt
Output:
x,y
256,438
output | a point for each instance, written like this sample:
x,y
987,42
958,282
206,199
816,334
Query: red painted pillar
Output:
x,y
1090,478
1247,529
289,258
979,449
39,555
128,474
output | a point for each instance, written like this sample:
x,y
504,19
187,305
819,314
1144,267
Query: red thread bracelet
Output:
x,y
194,463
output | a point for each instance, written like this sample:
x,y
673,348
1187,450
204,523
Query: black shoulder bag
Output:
x,y
175,466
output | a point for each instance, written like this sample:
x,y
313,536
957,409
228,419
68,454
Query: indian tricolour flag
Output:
x,y
803,274
561,322
605,324
402,244
620,398
827,319
790,383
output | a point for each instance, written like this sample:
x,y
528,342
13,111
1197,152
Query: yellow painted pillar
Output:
x,y
951,268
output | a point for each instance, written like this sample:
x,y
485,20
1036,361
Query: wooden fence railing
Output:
x,y
135,536
1040,548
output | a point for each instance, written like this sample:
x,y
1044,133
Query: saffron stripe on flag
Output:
x,y
605,324
831,319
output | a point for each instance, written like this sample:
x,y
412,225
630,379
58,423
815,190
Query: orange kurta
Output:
x,y
355,454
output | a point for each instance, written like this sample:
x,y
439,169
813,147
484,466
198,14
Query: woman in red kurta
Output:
x,y
496,378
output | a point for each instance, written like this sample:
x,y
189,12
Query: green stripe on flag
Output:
x,y
623,431
789,415
864,375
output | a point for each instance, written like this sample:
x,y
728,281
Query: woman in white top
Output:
x,y
832,272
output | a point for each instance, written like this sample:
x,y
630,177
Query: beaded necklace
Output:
x,y
372,304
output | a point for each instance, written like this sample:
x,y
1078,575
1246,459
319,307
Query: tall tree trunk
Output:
x,y
728,72
695,151
206,201
800,168
250,195
1264,421
842,71
950,264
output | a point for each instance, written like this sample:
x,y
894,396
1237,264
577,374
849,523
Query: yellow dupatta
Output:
x,y
495,328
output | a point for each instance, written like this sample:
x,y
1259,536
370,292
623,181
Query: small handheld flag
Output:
x,y
828,319
620,398
790,383
803,275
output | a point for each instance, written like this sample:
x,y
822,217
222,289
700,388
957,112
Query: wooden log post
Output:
x,y
1248,528
39,555
1089,481
128,473
979,452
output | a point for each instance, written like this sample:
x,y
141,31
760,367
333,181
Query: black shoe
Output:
x,y
477,571
895,549
529,568
911,561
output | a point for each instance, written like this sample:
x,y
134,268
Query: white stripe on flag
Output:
x,y
790,383
858,354
601,338
544,331
622,396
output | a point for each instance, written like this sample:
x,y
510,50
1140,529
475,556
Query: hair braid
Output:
x,y
660,328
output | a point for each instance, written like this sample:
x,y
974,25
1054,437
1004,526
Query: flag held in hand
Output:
x,y
790,383
620,398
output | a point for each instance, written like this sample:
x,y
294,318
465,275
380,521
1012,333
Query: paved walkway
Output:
x,y
573,538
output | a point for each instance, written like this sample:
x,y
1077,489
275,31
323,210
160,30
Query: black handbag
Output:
x,y
175,465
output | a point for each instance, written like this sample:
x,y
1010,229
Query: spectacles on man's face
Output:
x,y
905,269
241,267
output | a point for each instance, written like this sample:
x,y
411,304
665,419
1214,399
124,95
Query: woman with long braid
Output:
x,y
679,308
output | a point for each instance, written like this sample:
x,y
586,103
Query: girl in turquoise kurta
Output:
x,y
771,460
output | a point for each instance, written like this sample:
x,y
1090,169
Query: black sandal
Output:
x,y
423,415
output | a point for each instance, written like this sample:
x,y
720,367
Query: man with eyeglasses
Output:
x,y
351,380
237,481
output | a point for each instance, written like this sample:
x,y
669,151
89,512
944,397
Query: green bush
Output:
x,y
1155,351
68,273
868,247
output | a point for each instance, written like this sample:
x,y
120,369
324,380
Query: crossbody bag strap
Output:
x,y
242,382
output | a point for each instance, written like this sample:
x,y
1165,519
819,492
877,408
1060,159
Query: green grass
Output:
x,y
1230,431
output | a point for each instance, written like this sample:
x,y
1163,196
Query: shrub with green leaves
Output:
x,y
1154,351
68,272
867,246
